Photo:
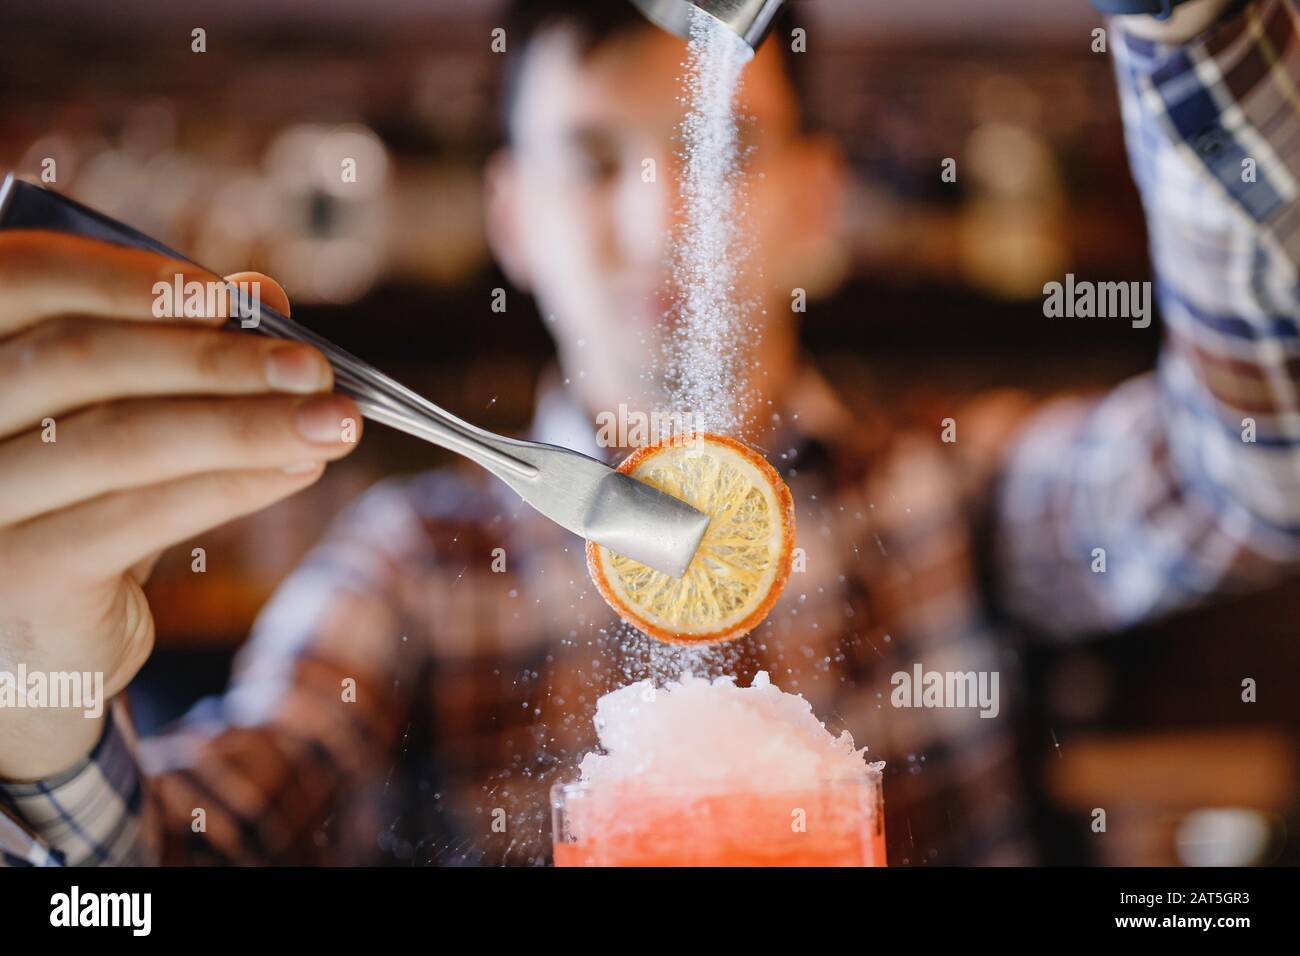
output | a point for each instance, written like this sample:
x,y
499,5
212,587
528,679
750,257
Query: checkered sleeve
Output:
x,y
252,777
317,701
92,814
1186,482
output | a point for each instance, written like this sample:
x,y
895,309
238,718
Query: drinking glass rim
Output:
x,y
871,779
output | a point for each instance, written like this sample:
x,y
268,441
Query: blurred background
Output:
x,y
207,153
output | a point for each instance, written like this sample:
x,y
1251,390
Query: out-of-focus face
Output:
x,y
575,216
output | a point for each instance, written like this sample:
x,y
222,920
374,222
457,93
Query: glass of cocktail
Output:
x,y
623,823
708,773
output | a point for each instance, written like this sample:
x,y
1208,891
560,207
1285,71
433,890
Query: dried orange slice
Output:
x,y
743,560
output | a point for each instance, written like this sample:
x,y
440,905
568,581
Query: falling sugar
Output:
x,y
705,354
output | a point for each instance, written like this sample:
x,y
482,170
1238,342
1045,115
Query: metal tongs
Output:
x,y
576,492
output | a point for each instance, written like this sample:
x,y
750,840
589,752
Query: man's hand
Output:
x,y
1188,20
121,434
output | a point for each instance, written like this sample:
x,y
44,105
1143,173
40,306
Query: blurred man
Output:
x,y
407,693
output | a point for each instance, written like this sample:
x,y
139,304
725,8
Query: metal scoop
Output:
x,y
748,19
576,492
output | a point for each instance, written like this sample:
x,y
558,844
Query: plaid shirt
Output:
x,y
400,689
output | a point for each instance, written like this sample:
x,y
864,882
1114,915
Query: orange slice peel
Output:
x,y
743,561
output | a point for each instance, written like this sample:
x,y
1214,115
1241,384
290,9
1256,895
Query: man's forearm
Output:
x,y
1184,484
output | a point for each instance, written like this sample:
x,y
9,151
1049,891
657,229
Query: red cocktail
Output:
x,y
839,823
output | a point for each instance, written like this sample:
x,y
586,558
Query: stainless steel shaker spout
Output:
x,y
748,19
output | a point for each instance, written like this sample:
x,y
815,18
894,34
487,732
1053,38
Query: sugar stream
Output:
x,y
706,351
